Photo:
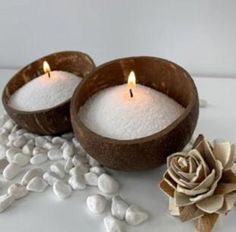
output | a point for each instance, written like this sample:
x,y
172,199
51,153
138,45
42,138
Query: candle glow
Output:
x,y
46,68
131,83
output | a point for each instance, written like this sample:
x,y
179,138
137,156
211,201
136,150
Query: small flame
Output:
x,y
46,68
131,80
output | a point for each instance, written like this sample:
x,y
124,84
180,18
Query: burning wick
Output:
x,y
46,68
131,83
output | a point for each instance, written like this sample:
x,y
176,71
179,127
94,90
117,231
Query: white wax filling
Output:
x,y
44,92
113,113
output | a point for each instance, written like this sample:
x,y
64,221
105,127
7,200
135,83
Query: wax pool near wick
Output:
x,y
46,91
114,113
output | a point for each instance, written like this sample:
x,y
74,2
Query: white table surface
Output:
x,y
42,212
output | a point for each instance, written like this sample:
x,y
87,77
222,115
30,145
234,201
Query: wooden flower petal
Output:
x,y
225,188
190,212
174,210
191,192
166,188
228,177
211,204
222,152
181,199
206,183
206,222
229,202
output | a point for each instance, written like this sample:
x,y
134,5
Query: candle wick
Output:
x,y
131,93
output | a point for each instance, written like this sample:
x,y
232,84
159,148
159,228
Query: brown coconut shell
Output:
x,y
148,152
55,120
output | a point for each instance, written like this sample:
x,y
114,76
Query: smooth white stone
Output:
x,y
11,171
39,150
3,164
68,136
97,170
39,159
28,148
78,160
135,215
3,136
68,151
17,190
58,140
20,141
112,225
21,131
12,136
3,150
118,207
40,141
68,165
58,169
61,189
55,154
76,142
49,146
92,161
30,174
14,129
37,184
203,103
50,177
3,119
107,184
6,201
29,135
77,182
9,124
96,203
91,179
79,170
11,152
21,159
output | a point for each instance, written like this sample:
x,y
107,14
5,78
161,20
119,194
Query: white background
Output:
x,y
198,34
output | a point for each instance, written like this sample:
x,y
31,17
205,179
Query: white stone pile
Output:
x,y
68,169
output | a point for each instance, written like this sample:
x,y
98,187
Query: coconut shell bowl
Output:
x,y
151,151
55,120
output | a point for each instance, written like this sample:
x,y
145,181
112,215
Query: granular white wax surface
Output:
x,y
113,113
44,92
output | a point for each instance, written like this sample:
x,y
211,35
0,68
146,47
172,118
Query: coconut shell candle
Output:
x,y
38,99
146,122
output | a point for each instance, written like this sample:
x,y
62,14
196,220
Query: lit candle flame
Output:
x,y
131,82
46,68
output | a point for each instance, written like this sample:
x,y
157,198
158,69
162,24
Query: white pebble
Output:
x,y
135,215
91,179
107,184
40,141
61,189
11,152
97,170
49,146
30,174
39,159
76,142
28,148
68,151
20,141
6,201
21,159
39,150
68,136
92,161
3,150
55,154
112,225
21,131
58,169
37,184
58,140
17,190
9,124
11,171
3,136
29,135
203,103
77,182
118,207
77,160
79,170
68,165
96,203
3,164
3,119
50,178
